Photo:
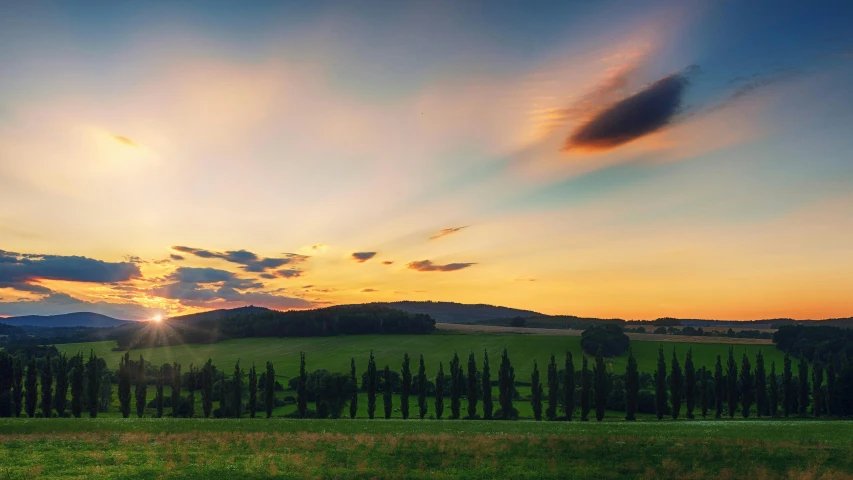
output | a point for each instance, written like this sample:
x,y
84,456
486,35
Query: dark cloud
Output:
x,y
226,297
268,276
447,231
428,266
250,261
369,290
175,257
644,112
192,276
289,273
23,271
388,262
362,257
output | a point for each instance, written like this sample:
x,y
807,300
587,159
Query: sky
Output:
x,y
609,159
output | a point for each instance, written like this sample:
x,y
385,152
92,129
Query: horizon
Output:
x,y
663,159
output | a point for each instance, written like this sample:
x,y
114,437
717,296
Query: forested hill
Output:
x,y
451,312
78,319
340,320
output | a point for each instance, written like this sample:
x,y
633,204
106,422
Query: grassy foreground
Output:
x,y
280,448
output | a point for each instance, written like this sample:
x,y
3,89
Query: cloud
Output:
x,y
251,262
58,303
176,257
388,262
23,271
447,231
428,266
190,275
193,295
525,279
126,141
369,290
289,273
362,257
633,117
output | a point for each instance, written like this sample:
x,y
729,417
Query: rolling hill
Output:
x,y
77,319
452,312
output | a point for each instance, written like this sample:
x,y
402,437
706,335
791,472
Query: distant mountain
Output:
x,y
78,319
221,314
452,312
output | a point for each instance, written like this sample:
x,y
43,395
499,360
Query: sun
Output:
x,y
157,318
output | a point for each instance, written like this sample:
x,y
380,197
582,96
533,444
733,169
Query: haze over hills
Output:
x,y
76,319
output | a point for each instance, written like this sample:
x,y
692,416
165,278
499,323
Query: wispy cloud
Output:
x,y
251,262
447,231
428,266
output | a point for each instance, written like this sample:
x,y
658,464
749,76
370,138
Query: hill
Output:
x,y
77,319
452,312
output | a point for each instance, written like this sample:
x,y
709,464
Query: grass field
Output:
x,y
280,448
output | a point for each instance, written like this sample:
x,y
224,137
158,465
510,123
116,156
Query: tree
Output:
x,y
386,394
253,391
803,401
353,402
760,386
371,386
192,384
773,407
831,374
176,388
690,383
632,387
506,381
78,393
585,390
553,389
787,387
7,375
18,385
60,397
536,389
141,391
124,385
731,383
335,389
472,386
704,390
569,387
817,386
422,389
455,391
237,407
269,389
719,388
302,389
158,392
105,392
223,396
676,385
207,388
32,388
439,392
609,339
93,383
487,387
600,372
747,388
660,385
405,387
46,388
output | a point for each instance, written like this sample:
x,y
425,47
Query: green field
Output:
x,y
281,448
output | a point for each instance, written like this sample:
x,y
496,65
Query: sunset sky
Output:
x,y
610,159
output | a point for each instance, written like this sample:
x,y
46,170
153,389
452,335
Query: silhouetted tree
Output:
x,y
192,384
719,388
32,388
760,386
747,389
46,388
18,386
253,391
405,388
124,385
455,391
386,394
302,389
93,383
585,390
269,389
223,396
487,387
207,388
773,407
237,408
831,374
422,389
705,391
158,392
353,401
439,392
141,391
731,383
78,392
60,397
371,386
632,387
7,375
787,387
803,401
176,388
506,381
536,389
676,385
472,386
553,389
689,383
660,385
817,386
600,372
569,387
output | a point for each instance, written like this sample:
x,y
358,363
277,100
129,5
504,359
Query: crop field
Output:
x,y
282,448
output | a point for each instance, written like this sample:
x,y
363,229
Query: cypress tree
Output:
x,y
124,385
472,386
192,382
386,394
660,385
269,389
585,390
223,396
176,388
830,386
600,386
773,407
158,392
747,389
760,386
405,388
817,387
803,402
47,388
78,393
632,387
253,391
237,407
689,384
676,386
506,380
731,383
553,389
536,389
371,386
93,383
60,397
487,387
439,392
705,390
141,391
353,402
302,388
787,387
719,388
207,388
422,389
7,375
18,386
569,387
32,388
455,392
